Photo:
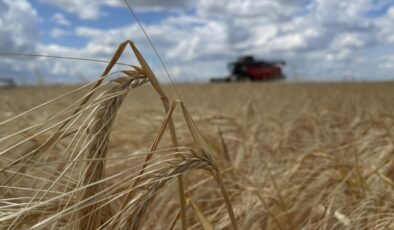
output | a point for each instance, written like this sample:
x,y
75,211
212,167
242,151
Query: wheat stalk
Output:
x,y
100,129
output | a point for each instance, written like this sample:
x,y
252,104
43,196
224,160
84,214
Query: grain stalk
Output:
x,y
146,70
95,170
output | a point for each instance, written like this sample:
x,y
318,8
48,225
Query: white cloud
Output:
x,y
85,9
18,33
58,33
386,25
387,63
93,9
60,19
324,39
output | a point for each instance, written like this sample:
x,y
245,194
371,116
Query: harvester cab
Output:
x,y
247,68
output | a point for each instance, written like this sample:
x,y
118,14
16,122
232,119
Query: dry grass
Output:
x,y
285,156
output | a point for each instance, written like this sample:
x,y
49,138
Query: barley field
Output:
x,y
250,156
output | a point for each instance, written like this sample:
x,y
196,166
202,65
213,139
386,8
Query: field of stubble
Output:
x,y
291,156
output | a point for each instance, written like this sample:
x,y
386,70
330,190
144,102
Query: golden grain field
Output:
x,y
290,156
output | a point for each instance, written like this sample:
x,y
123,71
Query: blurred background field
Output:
x,y
281,101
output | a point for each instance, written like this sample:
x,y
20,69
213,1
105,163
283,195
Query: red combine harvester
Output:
x,y
247,68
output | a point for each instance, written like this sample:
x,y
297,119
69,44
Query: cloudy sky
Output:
x,y
319,39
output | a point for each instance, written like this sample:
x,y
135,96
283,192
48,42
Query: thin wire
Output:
x,y
153,47
57,56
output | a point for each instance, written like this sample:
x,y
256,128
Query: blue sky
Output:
x,y
112,17
321,40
